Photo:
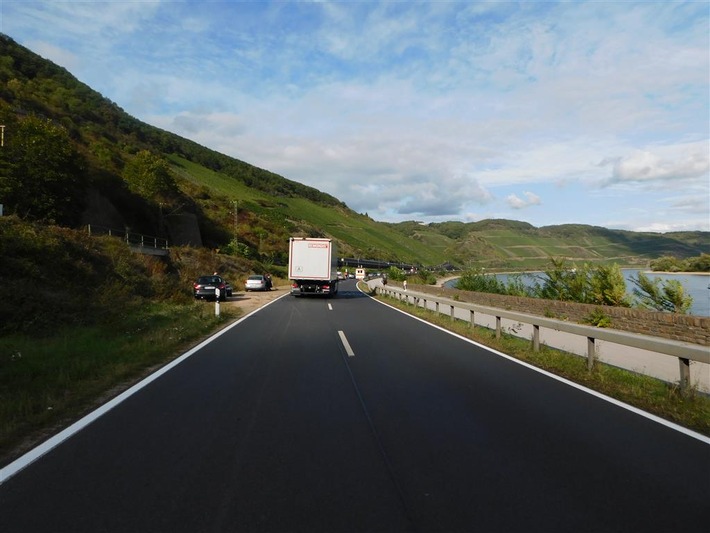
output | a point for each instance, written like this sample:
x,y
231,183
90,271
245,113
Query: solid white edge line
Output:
x,y
346,344
636,410
31,456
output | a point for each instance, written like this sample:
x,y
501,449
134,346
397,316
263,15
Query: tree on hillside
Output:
x,y
42,174
149,175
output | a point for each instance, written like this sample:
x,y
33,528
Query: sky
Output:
x,y
545,112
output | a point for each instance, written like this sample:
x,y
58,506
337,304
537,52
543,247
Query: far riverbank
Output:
x,y
697,284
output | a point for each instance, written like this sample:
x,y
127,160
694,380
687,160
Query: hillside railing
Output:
x,y
684,351
132,239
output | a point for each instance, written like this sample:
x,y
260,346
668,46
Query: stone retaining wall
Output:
x,y
685,328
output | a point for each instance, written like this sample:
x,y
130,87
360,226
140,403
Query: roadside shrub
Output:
x,y
396,274
598,319
668,295
424,277
475,280
58,276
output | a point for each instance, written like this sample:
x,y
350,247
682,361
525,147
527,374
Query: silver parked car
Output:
x,y
257,282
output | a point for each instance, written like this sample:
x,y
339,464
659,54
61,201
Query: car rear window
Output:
x,y
257,278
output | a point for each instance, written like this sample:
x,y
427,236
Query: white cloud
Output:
x,y
663,164
517,203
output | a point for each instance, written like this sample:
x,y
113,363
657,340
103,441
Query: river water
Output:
x,y
696,285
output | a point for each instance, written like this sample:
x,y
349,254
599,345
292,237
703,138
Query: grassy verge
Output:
x,y
688,409
46,383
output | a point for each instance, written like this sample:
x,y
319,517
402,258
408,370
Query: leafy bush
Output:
x,y
669,263
601,285
396,274
424,277
668,295
598,319
608,287
475,280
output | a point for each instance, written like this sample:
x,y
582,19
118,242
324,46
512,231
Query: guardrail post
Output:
x,y
591,352
498,327
536,338
684,365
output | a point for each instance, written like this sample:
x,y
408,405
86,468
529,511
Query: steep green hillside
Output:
x,y
270,220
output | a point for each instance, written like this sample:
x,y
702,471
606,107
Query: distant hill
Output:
x,y
497,243
245,210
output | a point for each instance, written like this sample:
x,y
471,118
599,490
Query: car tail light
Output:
x,y
196,285
294,285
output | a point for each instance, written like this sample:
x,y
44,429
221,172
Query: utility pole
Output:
x,y
236,225
2,144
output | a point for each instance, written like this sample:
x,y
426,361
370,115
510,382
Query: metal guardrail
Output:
x,y
684,351
132,239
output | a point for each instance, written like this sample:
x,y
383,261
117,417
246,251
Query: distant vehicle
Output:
x,y
204,287
257,282
312,267
359,273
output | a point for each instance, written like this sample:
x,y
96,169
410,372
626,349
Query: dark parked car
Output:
x,y
205,286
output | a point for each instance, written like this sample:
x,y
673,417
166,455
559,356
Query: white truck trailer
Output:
x,y
312,266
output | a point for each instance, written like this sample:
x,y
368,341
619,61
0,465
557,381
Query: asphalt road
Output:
x,y
274,426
